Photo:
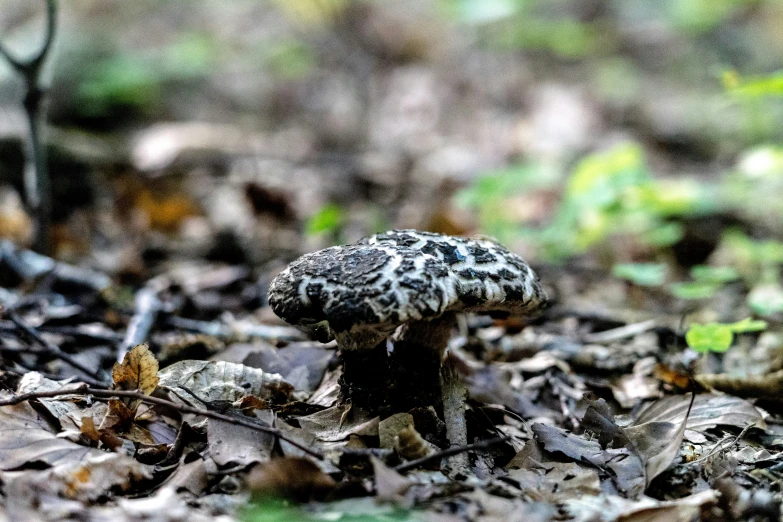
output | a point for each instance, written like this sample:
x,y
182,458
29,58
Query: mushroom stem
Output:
x,y
415,363
420,376
365,376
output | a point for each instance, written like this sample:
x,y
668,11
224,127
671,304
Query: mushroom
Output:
x,y
403,281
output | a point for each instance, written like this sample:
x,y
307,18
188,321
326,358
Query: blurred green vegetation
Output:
x,y
717,337
607,194
279,510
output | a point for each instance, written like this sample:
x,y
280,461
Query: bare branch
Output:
x,y
55,351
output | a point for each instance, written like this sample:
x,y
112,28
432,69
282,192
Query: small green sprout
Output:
x,y
707,280
718,337
642,274
327,220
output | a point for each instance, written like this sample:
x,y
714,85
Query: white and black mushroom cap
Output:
x,y
362,292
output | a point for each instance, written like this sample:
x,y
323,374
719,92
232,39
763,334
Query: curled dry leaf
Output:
x,y
224,381
137,371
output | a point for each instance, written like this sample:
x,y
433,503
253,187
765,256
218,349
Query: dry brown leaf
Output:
x,y
137,371
118,418
390,486
290,477
390,427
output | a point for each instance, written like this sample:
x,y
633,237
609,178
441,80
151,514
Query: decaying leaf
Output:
x,y
658,442
229,443
224,381
87,479
137,371
33,382
390,486
606,508
708,411
338,423
27,438
290,477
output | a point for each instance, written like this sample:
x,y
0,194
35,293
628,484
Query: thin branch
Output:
x,y
36,178
446,453
84,389
56,352
32,65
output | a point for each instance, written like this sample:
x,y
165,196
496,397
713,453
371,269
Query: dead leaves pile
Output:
x,y
144,454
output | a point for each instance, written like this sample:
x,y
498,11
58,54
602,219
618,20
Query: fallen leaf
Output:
x,y
390,486
230,443
26,438
330,425
289,477
137,371
87,479
224,381
391,426
709,411
608,508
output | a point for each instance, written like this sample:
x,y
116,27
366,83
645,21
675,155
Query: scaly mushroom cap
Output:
x,y
363,292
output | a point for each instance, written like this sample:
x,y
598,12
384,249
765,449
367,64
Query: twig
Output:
x,y
96,376
724,444
224,331
84,389
146,305
36,176
445,453
623,332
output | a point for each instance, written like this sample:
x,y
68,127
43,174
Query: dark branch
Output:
x,y
36,180
56,352
31,67
454,450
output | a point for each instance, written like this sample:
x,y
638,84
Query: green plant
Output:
x,y
707,280
642,274
328,219
608,193
718,337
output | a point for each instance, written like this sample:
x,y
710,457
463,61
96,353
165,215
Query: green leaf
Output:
x,y
328,219
693,290
642,274
710,337
748,325
714,274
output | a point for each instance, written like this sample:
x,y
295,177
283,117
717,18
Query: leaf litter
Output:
x,y
562,425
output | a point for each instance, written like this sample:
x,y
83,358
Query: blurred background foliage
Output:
x,y
641,136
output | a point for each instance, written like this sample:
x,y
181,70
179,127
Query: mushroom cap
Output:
x,y
364,291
